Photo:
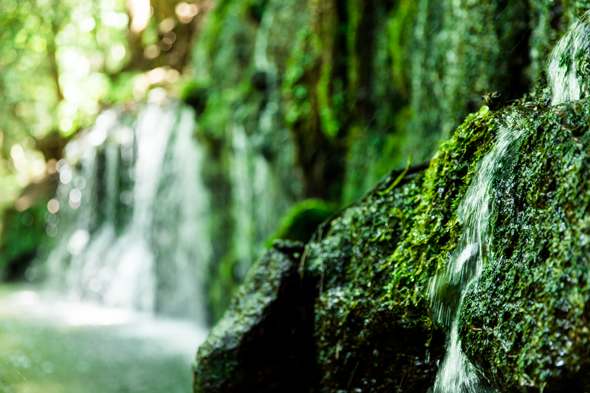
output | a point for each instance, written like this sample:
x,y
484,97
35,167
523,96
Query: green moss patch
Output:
x,y
526,322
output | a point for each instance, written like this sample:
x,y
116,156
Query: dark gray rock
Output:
x,y
264,342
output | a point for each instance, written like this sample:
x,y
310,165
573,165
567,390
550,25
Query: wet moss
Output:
x,y
526,322
362,343
373,261
302,219
436,228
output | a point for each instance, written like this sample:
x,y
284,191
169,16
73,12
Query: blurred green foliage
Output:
x,y
302,219
61,63
57,59
24,241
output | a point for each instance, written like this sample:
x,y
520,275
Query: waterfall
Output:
x,y
567,71
133,213
448,289
569,64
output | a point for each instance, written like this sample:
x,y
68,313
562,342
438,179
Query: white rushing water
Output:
x,y
133,213
52,345
448,289
567,71
569,64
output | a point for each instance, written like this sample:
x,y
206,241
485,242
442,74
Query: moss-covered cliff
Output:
x,y
523,320
524,323
321,98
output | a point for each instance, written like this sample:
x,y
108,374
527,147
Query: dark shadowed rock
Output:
x,y
264,342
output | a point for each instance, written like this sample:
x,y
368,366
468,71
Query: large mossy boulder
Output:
x,y
363,344
368,334
524,323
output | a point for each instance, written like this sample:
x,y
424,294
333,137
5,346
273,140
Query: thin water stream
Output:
x,y
448,289
567,74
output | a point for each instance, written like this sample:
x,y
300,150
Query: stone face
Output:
x,y
263,343
363,344
524,324
526,321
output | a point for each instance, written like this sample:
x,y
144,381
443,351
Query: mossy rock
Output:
x,y
303,218
370,334
362,344
526,322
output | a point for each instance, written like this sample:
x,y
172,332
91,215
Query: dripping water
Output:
x,y
569,64
448,289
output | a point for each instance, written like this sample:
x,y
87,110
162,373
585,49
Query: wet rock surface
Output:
x,y
523,323
264,343
362,343
526,321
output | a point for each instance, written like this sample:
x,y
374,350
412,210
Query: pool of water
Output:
x,y
52,346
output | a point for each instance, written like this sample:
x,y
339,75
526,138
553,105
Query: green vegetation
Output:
x,y
24,241
526,322
302,219
58,65
436,230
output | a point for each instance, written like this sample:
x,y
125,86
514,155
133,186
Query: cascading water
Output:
x,y
567,71
134,213
569,64
447,290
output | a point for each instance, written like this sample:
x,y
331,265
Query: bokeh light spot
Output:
x,y
66,124
53,206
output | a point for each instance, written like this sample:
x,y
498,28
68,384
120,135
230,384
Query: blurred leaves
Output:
x,y
63,61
